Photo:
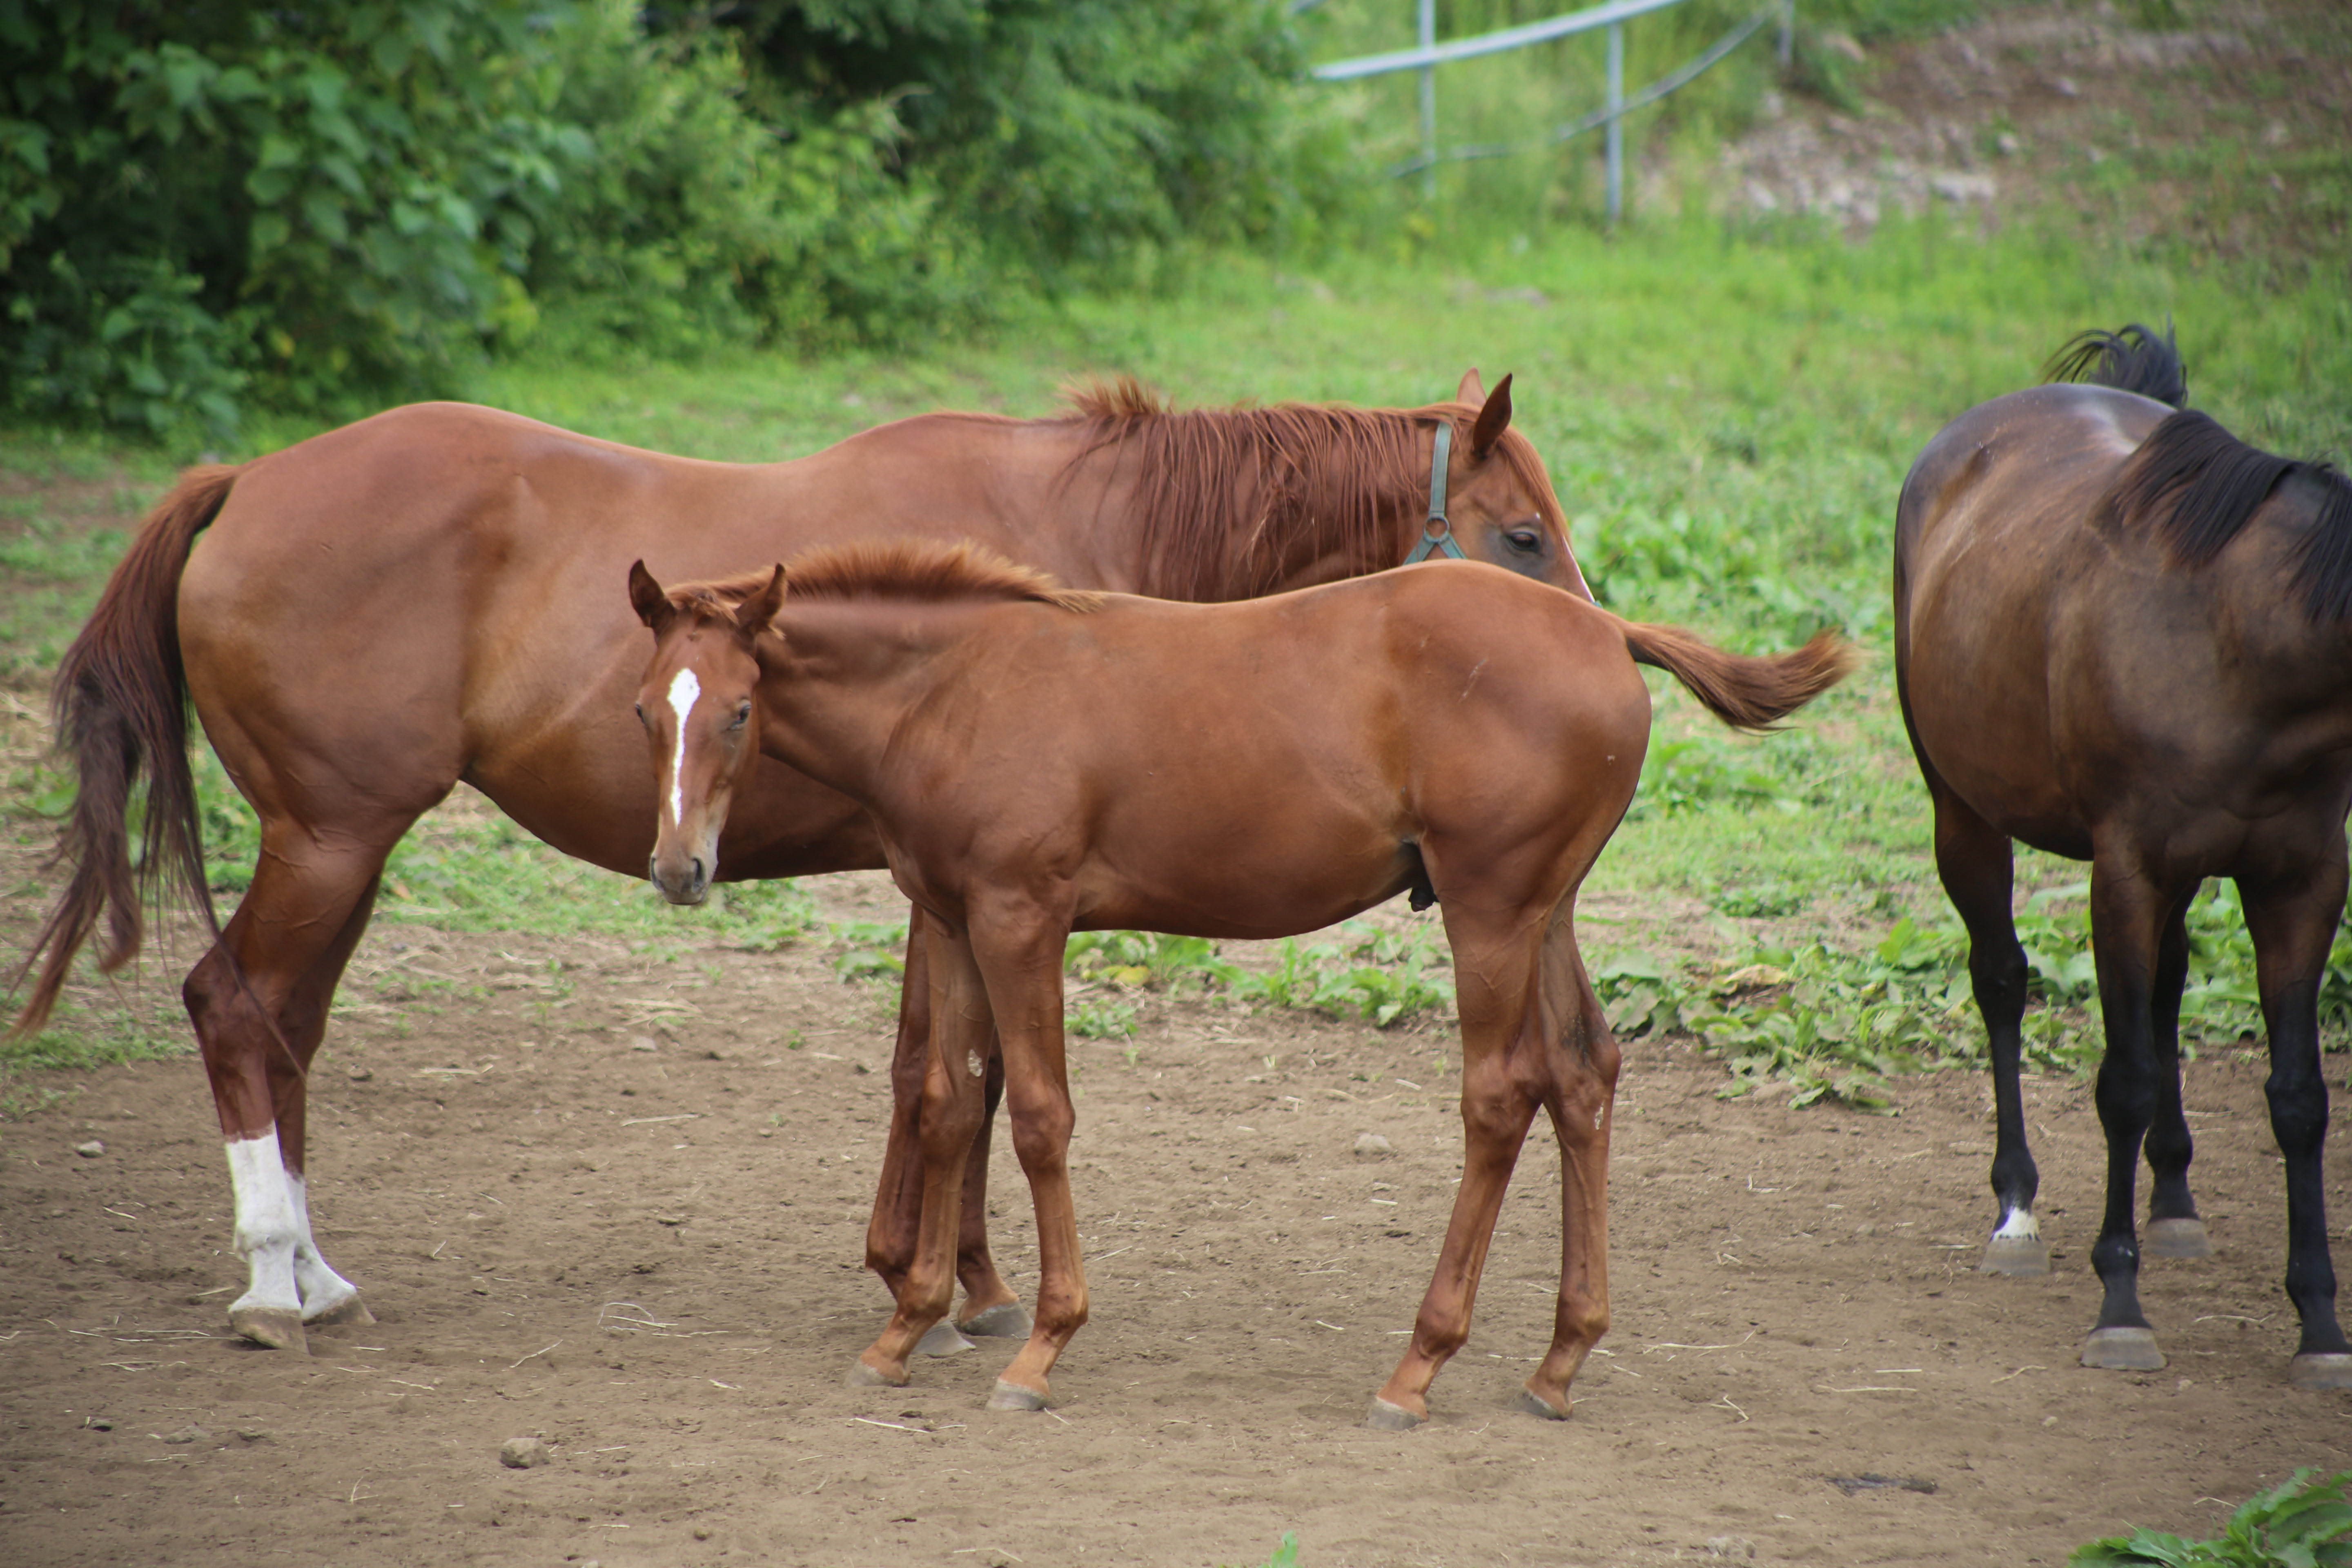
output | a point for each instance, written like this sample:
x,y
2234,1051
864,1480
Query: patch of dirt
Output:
x,y
2022,109
619,1206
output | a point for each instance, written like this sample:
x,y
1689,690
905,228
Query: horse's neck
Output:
x,y
842,678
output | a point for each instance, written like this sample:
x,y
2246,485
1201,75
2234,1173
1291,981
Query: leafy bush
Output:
x,y
2299,1523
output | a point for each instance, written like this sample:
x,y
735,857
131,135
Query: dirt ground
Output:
x,y
624,1211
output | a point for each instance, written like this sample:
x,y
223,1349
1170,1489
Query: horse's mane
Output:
x,y
1225,493
2198,486
924,569
2133,360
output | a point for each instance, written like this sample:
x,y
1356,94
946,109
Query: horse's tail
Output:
x,y
1744,692
121,703
2133,360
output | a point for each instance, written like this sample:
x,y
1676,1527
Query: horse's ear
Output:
x,y
752,616
652,604
1472,389
1494,418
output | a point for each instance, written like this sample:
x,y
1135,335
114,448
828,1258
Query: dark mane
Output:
x,y
891,569
2198,486
2133,360
1225,493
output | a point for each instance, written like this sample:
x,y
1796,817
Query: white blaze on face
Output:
x,y
684,689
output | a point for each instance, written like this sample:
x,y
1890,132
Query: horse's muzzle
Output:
x,y
685,880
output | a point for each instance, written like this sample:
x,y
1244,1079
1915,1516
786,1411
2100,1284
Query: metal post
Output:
x,y
1428,102
1616,123
1787,30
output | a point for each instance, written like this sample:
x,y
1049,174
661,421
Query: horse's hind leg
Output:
x,y
260,1000
1506,1074
2294,924
2173,1228
1973,858
1579,1093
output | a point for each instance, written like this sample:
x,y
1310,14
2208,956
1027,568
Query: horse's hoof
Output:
x,y
2176,1239
348,1312
861,1376
2022,1257
1535,1404
1015,1396
941,1339
1005,1321
1386,1417
2320,1371
278,1327
2122,1349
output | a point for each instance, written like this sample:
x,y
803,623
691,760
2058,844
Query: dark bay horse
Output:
x,y
1039,760
364,620
2121,636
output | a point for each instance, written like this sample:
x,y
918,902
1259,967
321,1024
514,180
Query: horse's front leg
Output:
x,y
2128,914
1019,945
2293,921
948,1112
990,1306
1579,1093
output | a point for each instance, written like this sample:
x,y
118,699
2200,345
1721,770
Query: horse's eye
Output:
x,y
641,712
1525,541
743,713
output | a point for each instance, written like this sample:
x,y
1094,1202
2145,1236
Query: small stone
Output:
x,y
90,1151
523,1453
100,1424
702,1532
1733,1546
360,1074
188,1435
1372,1146
252,1435
2064,87
2008,144
860,1069
645,1043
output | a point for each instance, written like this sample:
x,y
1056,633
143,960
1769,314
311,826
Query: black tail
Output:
x,y
2134,360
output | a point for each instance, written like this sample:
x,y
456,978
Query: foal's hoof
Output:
x,y
1005,1321
2320,1371
1535,1404
941,1339
2123,1349
2022,1256
2176,1239
1015,1396
1387,1418
348,1312
278,1327
861,1375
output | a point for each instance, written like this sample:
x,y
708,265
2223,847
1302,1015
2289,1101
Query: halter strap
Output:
x,y
1436,533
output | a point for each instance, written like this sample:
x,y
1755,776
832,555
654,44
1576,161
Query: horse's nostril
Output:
x,y
700,876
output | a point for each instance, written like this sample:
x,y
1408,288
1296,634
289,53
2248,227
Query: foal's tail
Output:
x,y
121,703
1745,693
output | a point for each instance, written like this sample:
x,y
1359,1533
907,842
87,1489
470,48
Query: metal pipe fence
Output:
x,y
1427,55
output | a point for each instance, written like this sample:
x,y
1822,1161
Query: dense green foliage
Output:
x,y
2301,1522
209,203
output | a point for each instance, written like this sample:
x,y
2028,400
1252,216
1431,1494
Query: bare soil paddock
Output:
x,y
649,1257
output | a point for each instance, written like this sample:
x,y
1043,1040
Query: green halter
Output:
x,y
1436,533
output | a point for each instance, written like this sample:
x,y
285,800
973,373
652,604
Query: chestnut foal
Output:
x,y
1039,760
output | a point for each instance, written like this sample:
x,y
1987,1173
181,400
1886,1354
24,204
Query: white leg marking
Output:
x,y
684,688
322,1289
2016,1223
268,1222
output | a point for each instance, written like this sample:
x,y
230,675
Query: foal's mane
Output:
x,y
2198,487
1223,494
926,570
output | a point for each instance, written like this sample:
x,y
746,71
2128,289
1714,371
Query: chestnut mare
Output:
x,y
2120,636
366,618
1039,760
